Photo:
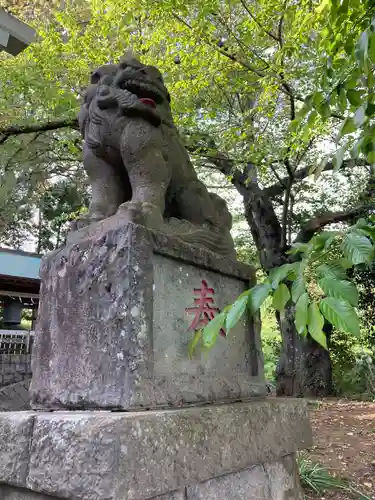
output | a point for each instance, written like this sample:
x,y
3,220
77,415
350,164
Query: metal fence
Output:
x,y
15,341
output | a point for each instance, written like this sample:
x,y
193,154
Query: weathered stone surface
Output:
x,y
283,477
15,397
248,484
113,332
14,368
137,456
15,438
12,493
276,480
232,367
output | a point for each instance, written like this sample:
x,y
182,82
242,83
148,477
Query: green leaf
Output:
x,y
323,240
348,127
356,150
361,49
315,323
324,5
332,270
193,344
298,287
281,297
293,126
236,311
357,248
343,9
371,49
343,102
340,314
370,110
298,248
371,157
345,263
280,273
354,97
300,317
319,169
311,119
211,330
257,296
359,117
318,99
341,289
339,158
367,231
324,110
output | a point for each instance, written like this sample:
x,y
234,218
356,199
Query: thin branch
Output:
x,y
280,28
317,223
291,207
244,47
7,132
269,33
278,188
301,155
18,151
232,57
285,215
219,187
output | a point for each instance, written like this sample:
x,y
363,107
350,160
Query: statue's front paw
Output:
x,y
146,214
133,210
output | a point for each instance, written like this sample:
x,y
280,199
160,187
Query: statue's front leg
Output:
x,y
107,191
142,155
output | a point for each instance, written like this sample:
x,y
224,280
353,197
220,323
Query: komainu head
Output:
x,y
128,87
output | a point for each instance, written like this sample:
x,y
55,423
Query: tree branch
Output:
x,y
7,132
285,214
232,57
269,33
279,187
317,223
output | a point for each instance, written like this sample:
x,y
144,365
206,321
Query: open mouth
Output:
x,y
146,93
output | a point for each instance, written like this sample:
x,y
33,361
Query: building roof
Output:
x,y
19,264
15,35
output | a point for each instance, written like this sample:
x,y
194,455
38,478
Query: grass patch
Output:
x,y
315,477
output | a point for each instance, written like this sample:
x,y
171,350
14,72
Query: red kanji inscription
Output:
x,y
203,310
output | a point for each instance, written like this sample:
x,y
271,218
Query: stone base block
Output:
x,y
117,314
238,451
277,480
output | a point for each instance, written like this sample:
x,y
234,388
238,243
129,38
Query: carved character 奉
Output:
x,y
136,162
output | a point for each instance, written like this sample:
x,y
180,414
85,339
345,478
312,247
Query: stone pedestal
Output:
x,y
113,327
238,451
118,309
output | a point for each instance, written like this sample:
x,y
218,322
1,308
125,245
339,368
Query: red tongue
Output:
x,y
148,102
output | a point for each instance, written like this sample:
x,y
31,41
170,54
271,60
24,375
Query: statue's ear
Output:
x,y
95,77
129,59
126,58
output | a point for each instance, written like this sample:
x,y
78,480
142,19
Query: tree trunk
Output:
x,y
289,371
304,367
317,367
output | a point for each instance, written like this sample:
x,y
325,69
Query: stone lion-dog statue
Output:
x,y
137,164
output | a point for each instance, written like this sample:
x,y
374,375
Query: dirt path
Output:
x,y
344,441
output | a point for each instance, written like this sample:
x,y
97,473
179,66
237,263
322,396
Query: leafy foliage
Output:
x,y
346,88
330,298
